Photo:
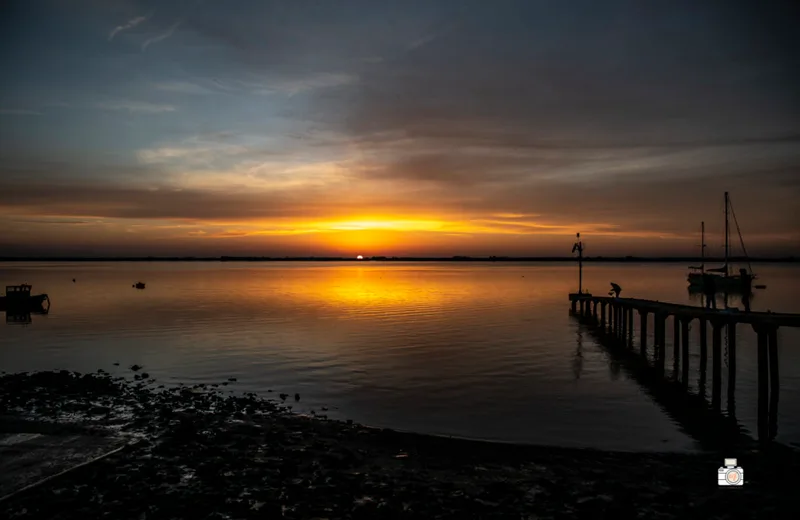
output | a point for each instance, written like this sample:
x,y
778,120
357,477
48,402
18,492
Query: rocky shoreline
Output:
x,y
194,452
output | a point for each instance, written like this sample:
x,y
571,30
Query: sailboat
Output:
x,y
724,279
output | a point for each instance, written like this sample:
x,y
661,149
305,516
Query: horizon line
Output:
x,y
455,258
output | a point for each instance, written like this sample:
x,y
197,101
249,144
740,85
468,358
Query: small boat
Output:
x,y
19,298
138,285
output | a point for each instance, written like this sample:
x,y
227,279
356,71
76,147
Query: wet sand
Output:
x,y
195,452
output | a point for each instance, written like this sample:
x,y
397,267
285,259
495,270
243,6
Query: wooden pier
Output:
x,y
613,318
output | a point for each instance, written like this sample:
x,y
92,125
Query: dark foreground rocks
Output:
x,y
200,454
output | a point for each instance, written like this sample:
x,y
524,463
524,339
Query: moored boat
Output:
x,y
19,298
724,280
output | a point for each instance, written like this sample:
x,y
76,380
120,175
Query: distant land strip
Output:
x,y
684,259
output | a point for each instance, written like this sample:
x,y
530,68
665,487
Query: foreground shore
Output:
x,y
194,452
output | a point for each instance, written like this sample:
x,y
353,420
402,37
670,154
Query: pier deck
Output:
x,y
689,311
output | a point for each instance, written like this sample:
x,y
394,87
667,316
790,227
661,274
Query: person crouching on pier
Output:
x,y
615,290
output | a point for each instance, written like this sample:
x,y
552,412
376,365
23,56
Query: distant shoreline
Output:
x,y
632,259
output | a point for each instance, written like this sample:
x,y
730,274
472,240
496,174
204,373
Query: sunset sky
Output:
x,y
375,127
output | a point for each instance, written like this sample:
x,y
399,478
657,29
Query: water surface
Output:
x,y
480,350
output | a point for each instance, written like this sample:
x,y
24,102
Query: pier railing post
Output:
x,y
676,344
643,331
716,363
630,327
624,329
763,381
660,329
703,356
603,315
732,368
685,352
774,380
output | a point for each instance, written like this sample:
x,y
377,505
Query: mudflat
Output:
x,y
197,453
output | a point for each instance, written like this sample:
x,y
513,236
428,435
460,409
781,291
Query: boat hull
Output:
x,y
30,303
729,284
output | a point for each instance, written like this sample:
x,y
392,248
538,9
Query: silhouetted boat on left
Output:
x,y
19,298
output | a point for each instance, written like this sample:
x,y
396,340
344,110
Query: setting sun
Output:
x,y
359,257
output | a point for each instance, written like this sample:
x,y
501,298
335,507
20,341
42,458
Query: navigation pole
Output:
x,y
579,248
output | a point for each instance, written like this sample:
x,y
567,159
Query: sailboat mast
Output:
x,y
703,247
727,232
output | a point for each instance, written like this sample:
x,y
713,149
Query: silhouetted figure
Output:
x,y
746,287
615,290
710,291
73,280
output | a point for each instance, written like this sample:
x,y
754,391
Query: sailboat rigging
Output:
x,y
723,279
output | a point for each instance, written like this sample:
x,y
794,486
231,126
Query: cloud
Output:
x,y
297,85
135,106
162,36
183,87
421,42
18,112
48,221
198,154
130,24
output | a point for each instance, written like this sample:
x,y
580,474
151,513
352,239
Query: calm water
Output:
x,y
474,350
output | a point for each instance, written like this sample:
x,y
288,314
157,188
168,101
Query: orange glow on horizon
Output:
x,y
508,234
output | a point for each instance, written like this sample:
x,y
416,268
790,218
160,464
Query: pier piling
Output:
x,y
774,379
630,327
676,345
731,368
716,364
703,356
763,381
685,352
603,316
643,331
